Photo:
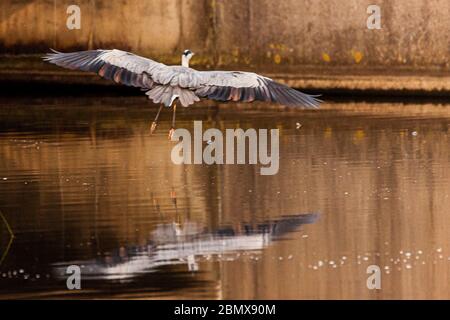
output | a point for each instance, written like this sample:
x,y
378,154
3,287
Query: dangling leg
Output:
x,y
155,122
172,130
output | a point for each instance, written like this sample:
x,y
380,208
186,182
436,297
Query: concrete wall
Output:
x,y
414,33
155,26
293,32
302,38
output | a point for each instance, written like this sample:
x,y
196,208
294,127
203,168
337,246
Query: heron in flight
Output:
x,y
167,84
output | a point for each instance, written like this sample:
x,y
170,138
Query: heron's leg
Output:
x,y
155,122
172,130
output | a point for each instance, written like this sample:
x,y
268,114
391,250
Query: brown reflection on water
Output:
x,y
81,179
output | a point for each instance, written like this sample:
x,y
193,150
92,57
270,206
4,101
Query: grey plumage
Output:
x,y
164,83
165,94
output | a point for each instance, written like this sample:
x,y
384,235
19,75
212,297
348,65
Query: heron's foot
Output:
x,y
153,127
171,132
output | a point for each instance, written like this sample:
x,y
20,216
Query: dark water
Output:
x,y
82,182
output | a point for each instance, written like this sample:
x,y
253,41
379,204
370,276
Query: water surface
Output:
x,y
82,182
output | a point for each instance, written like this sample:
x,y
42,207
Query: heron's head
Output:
x,y
188,54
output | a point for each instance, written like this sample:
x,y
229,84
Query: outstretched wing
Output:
x,y
132,70
120,66
247,86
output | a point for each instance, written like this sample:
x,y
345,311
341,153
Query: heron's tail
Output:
x,y
167,94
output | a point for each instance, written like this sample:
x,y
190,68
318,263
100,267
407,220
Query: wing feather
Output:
x,y
247,86
120,66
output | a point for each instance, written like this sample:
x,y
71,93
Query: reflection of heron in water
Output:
x,y
171,244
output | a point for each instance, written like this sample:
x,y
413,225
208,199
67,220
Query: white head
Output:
x,y
187,55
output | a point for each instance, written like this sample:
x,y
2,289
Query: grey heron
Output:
x,y
165,84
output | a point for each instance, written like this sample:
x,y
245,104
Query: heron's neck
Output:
x,y
184,61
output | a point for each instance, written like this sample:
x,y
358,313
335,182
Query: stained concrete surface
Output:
x,y
313,44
